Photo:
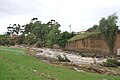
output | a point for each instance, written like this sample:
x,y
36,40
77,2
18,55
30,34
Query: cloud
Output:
x,y
18,7
81,14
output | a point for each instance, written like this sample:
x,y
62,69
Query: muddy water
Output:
x,y
76,59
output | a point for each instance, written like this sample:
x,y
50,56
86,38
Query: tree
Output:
x,y
15,28
52,36
43,34
41,31
33,19
46,33
94,28
108,28
63,37
53,33
30,26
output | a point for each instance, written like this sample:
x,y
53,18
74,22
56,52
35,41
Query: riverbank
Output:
x,y
16,64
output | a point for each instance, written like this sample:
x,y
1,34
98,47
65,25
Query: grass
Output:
x,y
15,64
83,35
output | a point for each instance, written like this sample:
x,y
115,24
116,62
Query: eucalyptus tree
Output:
x,y
94,28
30,26
53,34
108,27
14,29
63,37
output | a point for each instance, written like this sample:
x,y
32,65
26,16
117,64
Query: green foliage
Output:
x,y
63,37
94,28
12,43
41,31
111,63
6,40
43,34
20,39
30,39
47,33
28,28
53,33
108,27
40,43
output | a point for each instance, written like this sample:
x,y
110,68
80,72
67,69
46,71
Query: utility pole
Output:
x,y
70,28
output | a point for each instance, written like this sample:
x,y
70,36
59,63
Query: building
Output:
x,y
91,42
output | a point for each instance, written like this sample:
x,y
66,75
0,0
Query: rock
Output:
x,y
34,70
78,69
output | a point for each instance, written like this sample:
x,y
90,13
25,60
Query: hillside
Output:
x,y
15,64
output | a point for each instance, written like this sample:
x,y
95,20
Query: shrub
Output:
x,y
111,63
108,64
114,61
40,44
12,43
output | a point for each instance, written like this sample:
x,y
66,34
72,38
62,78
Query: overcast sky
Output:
x,y
80,14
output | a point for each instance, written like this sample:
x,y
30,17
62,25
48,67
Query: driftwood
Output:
x,y
101,71
86,68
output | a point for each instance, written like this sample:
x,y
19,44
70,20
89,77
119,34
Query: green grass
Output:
x,y
16,65
83,35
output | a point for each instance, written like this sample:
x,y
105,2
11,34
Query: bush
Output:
x,y
114,61
87,54
40,44
111,63
12,43
108,64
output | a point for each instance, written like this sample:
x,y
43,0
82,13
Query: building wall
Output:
x,y
118,42
91,44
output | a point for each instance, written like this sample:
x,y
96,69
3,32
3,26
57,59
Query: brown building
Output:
x,y
91,42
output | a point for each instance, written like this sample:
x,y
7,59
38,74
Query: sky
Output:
x,y
80,14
